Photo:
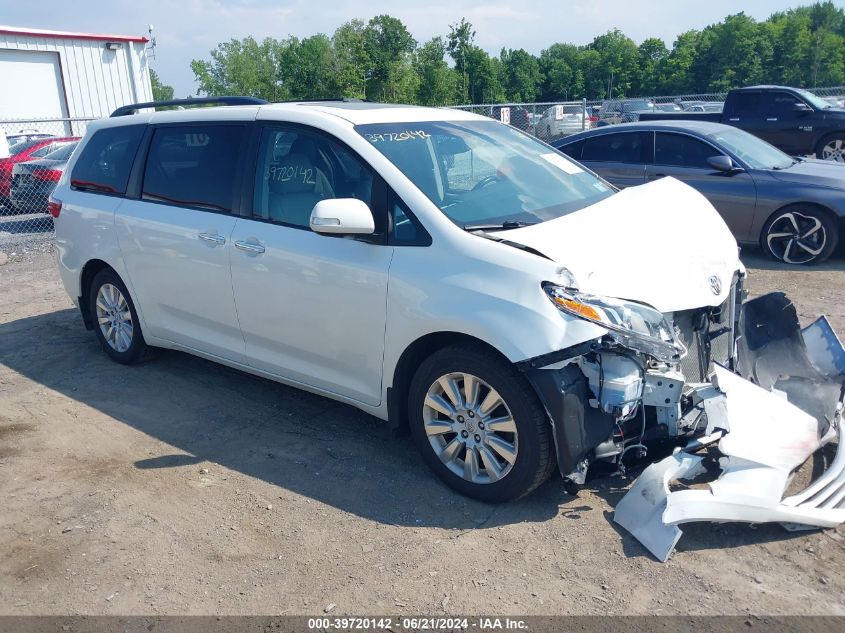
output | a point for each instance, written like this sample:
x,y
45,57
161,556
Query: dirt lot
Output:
x,y
184,487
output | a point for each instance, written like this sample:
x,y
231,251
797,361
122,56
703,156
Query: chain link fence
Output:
x,y
33,155
554,119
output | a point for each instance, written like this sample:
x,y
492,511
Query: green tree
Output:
x,y
351,62
651,55
561,72
618,56
458,44
240,67
306,68
161,92
676,68
521,76
736,52
389,46
438,83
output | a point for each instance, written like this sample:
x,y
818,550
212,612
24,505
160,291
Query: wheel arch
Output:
x,y
89,271
411,358
821,140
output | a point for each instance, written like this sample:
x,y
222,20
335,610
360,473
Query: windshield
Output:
x,y
637,104
758,154
486,173
815,101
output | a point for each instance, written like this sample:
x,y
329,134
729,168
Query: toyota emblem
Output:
x,y
715,284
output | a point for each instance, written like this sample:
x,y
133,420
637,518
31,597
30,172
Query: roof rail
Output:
x,y
181,103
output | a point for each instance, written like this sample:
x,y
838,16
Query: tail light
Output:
x,y
54,207
50,175
594,119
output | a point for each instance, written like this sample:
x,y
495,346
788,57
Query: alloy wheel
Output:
x,y
834,150
796,238
114,317
470,428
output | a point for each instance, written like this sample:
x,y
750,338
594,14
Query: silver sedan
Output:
x,y
794,208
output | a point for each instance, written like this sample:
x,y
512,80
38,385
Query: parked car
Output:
x,y
27,150
623,111
516,116
454,276
710,106
794,120
561,121
793,208
667,107
34,181
25,136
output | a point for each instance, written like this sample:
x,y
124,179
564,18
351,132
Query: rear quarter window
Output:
x,y
106,160
625,147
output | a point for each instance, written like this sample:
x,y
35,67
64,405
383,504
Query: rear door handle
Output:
x,y
213,238
772,119
249,247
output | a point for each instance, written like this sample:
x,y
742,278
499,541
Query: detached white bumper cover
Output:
x,y
764,438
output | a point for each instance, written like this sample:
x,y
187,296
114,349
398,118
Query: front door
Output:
x,y
175,240
312,308
684,157
785,127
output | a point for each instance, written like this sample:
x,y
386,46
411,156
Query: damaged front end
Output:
x,y
746,382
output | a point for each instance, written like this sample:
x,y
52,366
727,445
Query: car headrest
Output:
x,y
305,146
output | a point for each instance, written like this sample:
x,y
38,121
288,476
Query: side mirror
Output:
x,y
722,163
342,216
801,108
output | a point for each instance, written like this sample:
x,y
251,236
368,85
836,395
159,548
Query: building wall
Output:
x,y
96,80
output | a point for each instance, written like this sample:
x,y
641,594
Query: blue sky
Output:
x,y
188,29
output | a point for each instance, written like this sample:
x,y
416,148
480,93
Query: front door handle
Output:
x,y
249,247
213,238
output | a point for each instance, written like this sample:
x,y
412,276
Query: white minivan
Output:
x,y
437,269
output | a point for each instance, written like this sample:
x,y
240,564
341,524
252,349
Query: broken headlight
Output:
x,y
633,325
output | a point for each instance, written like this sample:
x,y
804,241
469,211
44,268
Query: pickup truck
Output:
x,y
794,120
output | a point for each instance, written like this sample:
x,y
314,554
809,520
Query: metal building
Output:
x,y
51,75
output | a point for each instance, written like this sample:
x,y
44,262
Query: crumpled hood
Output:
x,y
661,243
810,171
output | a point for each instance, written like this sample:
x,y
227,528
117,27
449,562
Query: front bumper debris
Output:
x,y
786,402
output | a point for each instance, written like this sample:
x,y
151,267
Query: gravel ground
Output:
x,y
183,487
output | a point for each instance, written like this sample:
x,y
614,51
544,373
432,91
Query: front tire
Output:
x,y
800,234
479,425
115,319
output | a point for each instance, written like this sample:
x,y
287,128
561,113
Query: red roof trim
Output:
x,y
67,35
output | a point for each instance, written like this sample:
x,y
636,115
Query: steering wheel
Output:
x,y
484,182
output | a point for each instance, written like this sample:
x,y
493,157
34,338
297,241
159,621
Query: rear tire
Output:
x,y
800,234
495,443
832,147
115,319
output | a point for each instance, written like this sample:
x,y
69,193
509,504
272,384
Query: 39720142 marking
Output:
x,y
350,624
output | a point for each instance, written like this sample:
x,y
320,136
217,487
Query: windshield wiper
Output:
x,y
522,247
507,224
